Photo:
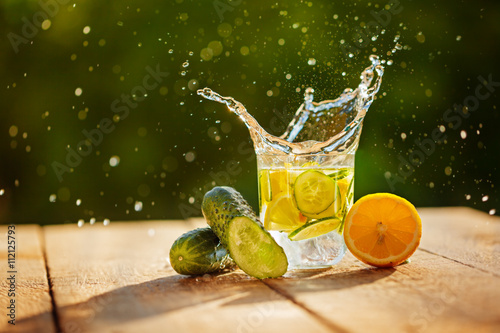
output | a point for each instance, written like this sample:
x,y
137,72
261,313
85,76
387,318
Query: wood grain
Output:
x,y
449,286
430,294
32,299
116,279
463,234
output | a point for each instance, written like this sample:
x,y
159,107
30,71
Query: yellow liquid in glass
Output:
x,y
279,194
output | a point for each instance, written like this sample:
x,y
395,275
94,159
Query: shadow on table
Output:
x,y
175,293
311,281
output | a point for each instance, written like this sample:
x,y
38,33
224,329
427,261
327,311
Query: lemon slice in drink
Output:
x,y
314,192
315,229
278,180
265,186
282,214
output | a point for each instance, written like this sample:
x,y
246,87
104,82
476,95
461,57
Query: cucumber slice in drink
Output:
x,y
341,174
314,192
315,229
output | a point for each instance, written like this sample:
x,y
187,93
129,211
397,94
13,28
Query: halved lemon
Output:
x,y
282,214
315,229
314,192
382,229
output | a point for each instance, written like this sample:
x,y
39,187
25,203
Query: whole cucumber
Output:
x,y
199,252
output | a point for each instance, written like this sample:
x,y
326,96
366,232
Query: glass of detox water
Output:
x,y
306,175
303,200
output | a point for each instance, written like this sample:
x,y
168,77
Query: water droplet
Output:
x,y
311,62
52,198
459,38
78,202
78,91
2,192
191,200
80,223
92,220
485,198
467,197
389,62
114,161
171,51
86,30
106,222
420,37
46,24
190,156
13,130
492,211
138,206
463,134
185,64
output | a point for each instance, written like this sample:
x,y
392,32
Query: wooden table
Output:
x,y
116,279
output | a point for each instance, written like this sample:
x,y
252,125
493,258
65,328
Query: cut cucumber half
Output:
x,y
314,192
254,250
315,229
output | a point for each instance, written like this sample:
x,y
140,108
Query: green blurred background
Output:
x,y
81,56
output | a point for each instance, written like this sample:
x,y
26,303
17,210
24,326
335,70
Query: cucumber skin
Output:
x,y
222,204
201,253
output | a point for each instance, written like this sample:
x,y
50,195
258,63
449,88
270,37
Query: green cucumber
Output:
x,y
199,252
250,245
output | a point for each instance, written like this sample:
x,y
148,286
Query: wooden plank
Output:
x,y
33,305
463,234
116,279
431,294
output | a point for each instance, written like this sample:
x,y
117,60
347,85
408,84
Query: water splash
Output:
x,y
329,126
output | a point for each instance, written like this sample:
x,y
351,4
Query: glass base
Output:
x,y
316,253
